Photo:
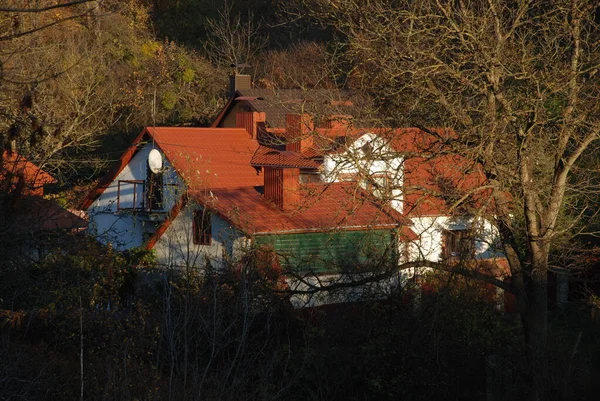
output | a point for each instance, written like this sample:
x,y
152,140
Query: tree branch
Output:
x,y
42,9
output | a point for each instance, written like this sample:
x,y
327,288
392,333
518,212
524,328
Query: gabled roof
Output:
x,y
434,177
323,208
434,184
279,102
209,157
29,212
203,157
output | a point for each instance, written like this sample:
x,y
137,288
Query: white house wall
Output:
x,y
430,229
375,290
127,229
385,160
355,162
176,247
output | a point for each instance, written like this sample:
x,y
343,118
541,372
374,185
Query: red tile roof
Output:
x,y
431,177
209,157
433,185
324,207
416,140
404,140
35,214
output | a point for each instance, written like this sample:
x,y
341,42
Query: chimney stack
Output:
x,y
250,121
298,132
281,186
239,81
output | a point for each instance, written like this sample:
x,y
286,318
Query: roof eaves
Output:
x,y
165,225
328,229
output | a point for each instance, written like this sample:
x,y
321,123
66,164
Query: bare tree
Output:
x,y
13,13
518,83
234,39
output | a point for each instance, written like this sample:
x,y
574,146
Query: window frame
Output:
x,y
378,184
458,243
135,184
202,227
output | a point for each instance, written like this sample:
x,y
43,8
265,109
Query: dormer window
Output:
x,y
154,190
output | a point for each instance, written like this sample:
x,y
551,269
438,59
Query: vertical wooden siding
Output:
x,y
281,186
298,132
249,121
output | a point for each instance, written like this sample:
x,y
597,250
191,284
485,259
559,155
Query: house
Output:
x,y
203,167
327,200
274,105
32,224
131,202
403,168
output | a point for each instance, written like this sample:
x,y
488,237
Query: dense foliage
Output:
x,y
148,334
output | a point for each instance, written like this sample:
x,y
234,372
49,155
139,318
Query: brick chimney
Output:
x,y
239,82
298,132
281,186
250,121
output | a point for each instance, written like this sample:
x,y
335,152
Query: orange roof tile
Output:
x,y
34,214
204,157
324,207
416,140
209,157
433,184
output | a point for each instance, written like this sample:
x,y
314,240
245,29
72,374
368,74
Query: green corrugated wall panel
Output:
x,y
331,252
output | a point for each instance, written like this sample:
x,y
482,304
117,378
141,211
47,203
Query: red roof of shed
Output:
x,y
13,165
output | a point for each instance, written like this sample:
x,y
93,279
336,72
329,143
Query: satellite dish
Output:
x,y
155,161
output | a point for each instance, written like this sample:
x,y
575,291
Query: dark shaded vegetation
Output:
x,y
151,334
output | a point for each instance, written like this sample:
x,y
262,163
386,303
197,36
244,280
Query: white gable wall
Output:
x,y
176,248
128,229
384,160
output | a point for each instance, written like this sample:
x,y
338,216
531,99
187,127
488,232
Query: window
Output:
x,y
202,228
367,149
154,190
457,244
378,184
130,195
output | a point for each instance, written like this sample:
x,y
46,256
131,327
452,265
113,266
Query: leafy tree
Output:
x,y
99,73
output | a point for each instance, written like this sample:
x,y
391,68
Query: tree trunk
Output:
x,y
535,315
